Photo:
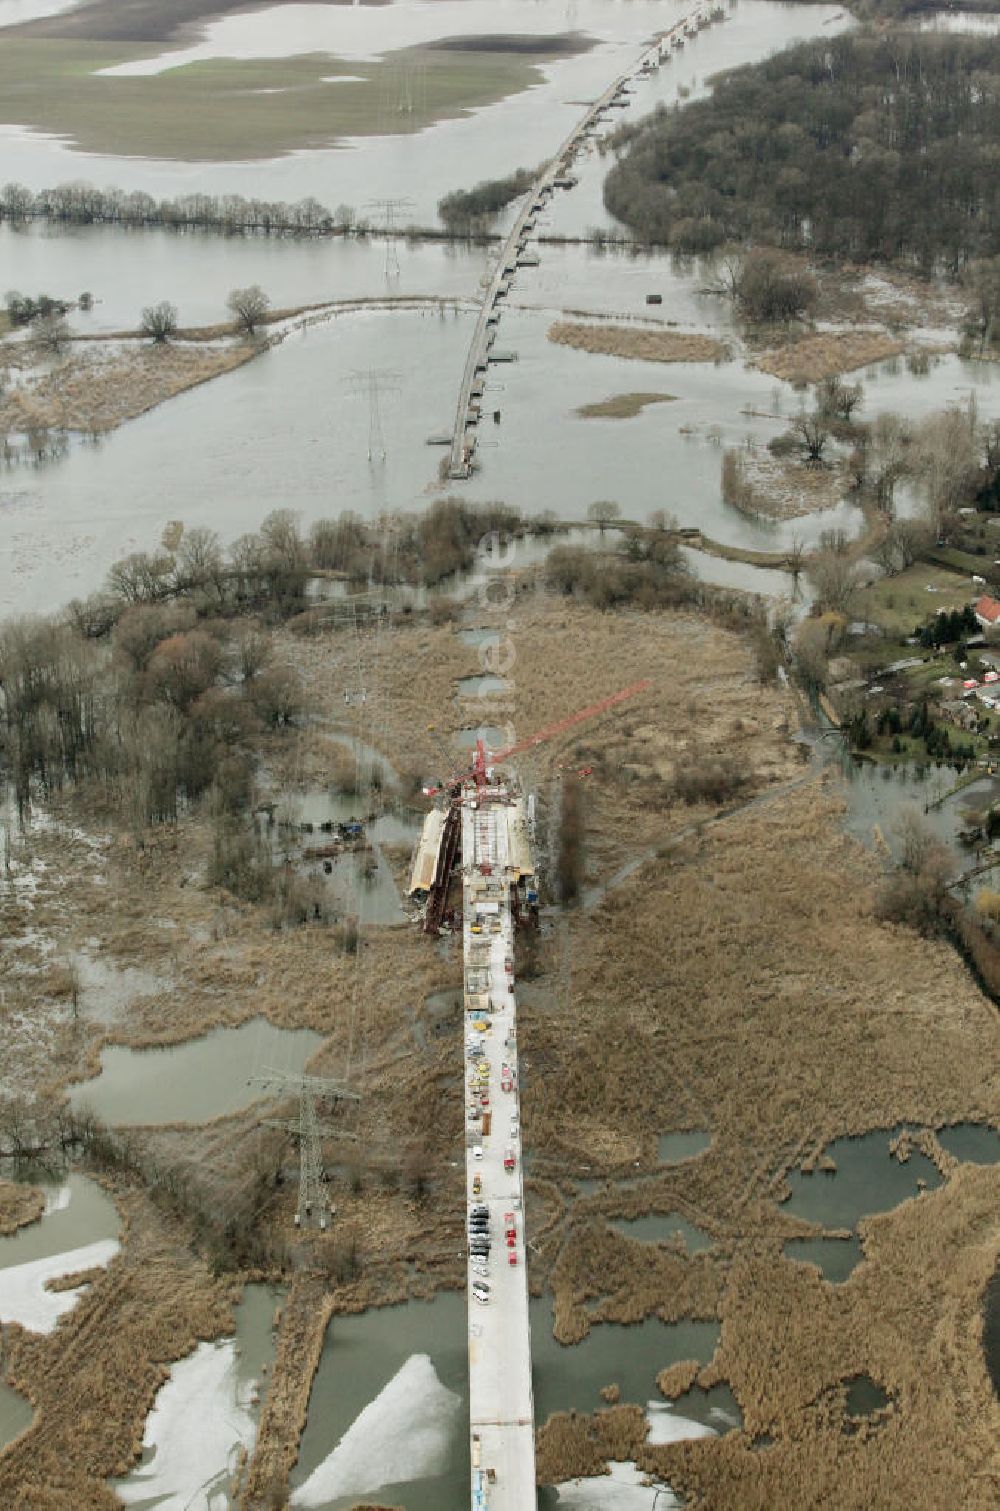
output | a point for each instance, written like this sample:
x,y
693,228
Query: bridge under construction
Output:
x,y
487,825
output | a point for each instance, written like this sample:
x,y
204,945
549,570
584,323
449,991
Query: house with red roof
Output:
x,y
987,611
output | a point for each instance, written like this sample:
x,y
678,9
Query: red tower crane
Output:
x,y
482,763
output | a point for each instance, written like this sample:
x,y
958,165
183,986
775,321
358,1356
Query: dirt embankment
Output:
x,y
19,1205
640,342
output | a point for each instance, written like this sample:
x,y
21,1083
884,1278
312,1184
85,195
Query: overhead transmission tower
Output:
x,y
313,1204
371,384
390,210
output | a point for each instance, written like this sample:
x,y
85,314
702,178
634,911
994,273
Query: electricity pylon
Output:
x,y
372,384
389,210
313,1200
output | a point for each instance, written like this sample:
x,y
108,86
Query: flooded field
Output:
x,y
194,1081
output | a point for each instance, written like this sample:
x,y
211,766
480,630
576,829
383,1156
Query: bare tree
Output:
x,y
603,513
835,579
813,433
159,321
51,333
248,307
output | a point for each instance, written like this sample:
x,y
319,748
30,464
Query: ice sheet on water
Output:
x,y
621,1490
196,1421
403,1434
666,1427
23,1297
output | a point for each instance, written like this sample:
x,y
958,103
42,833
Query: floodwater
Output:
x,y
868,1179
492,736
672,1148
481,687
107,990
879,797
362,1357
361,33
659,1227
991,1329
192,1082
126,269
78,1212
835,1257
422,166
206,1413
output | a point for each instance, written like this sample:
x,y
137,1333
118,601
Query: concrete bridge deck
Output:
x,y
501,1408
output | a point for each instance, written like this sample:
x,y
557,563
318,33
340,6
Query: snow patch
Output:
x,y
403,1434
196,1423
624,1489
23,1297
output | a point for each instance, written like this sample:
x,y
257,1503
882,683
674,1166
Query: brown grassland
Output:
x,y
736,981
640,342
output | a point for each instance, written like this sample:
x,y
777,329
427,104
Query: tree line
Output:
x,y
872,147
471,210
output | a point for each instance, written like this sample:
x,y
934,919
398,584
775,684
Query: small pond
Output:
x,y
481,687
192,1082
491,735
673,1148
864,1397
834,1257
868,1179
972,1143
658,1227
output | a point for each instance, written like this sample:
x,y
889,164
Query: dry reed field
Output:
x,y
19,1205
812,358
741,985
636,341
94,392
